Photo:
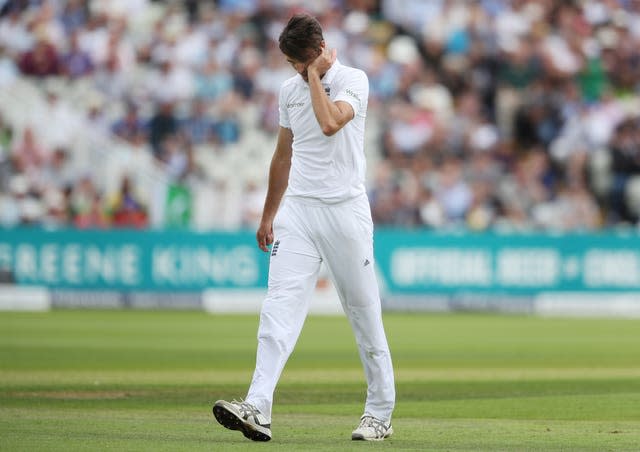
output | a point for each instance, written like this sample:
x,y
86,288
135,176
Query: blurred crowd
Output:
x,y
487,114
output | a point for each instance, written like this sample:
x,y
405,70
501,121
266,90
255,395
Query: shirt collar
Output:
x,y
331,73
328,76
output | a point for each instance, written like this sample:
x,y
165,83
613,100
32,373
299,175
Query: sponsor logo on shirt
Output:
x,y
352,94
295,104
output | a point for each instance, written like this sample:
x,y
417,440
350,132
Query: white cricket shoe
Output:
x,y
243,416
371,429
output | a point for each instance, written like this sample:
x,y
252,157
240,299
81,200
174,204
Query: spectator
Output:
x,y
75,62
252,204
126,211
55,209
625,164
58,173
111,80
80,196
29,156
15,186
6,135
430,211
131,125
8,70
74,15
175,154
171,83
574,209
531,183
42,60
227,125
15,37
93,37
94,217
452,191
162,124
199,126
213,82
60,120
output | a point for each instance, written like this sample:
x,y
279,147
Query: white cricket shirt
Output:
x,y
328,169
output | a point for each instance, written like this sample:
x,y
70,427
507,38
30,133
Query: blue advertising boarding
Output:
x,y
133,260
410,262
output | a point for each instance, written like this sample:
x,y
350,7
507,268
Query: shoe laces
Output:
x,y
245,406
372,422
248,410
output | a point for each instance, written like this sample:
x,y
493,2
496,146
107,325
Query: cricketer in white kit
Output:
x,y
317,210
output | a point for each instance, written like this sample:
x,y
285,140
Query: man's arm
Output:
x,y
332,116
278,181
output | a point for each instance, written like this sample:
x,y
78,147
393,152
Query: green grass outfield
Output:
x,y
146,380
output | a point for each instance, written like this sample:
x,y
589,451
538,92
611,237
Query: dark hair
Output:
x,y
301,34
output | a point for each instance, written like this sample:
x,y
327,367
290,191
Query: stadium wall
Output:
x,y
547,274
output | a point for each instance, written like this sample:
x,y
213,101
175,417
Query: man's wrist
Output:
x,y
313,72
266,220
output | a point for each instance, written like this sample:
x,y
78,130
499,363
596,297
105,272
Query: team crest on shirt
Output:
x,y
327,90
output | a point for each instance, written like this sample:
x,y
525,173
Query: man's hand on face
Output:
x,y
323,62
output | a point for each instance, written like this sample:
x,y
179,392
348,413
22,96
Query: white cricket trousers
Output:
x,y
305,235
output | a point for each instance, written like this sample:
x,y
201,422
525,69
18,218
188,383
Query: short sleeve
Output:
x,y
355,91
282,108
